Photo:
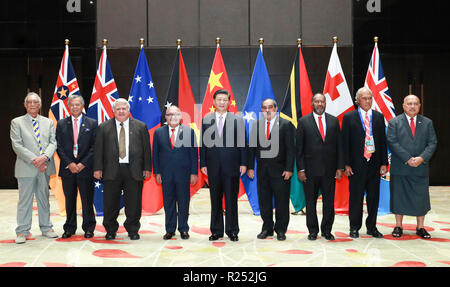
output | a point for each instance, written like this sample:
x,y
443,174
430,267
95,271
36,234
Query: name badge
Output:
x,y
370,145
75,151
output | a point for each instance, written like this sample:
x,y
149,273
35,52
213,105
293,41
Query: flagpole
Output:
x,y
218,41
261,42
179,44
335,40
142,42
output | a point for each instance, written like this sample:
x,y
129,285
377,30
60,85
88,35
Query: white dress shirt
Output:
x,y
272,122
409,120
316,119
78,122
126,125
224,116
177,128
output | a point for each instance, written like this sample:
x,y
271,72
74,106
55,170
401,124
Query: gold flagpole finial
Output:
x,y
299,42
179,42
375,39
218,40
261,41
66,41
335,39
142,41
105,42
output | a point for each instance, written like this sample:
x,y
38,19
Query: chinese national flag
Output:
x,y
218,79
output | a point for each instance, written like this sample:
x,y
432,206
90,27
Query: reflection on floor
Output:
x,y
297,250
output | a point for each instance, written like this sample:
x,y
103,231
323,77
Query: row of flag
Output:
x,y
144,106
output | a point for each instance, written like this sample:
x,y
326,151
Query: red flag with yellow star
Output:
x,y
218,79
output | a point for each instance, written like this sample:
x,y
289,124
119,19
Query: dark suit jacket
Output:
x,y
353,136
316,157
179,163
223,155
86,141
403,145
106,151
280,146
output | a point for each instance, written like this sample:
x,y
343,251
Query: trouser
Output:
x,y
132,191
176,197
28,188
71,185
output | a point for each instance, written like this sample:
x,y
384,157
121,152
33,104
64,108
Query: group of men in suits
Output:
x,y
118,152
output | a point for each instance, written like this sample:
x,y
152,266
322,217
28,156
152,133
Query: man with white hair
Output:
x,y
33,141
122,159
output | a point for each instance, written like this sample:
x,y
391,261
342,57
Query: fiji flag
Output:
x,y
259,90
144,106
382,102
104,94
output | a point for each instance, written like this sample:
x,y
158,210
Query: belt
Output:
x,y
124,164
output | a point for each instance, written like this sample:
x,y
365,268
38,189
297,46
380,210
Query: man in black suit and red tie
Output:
x,y
272,144
365,157
75,137
122,159
223,158
175,165
319,163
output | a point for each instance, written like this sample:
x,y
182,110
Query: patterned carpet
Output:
x,y
297,251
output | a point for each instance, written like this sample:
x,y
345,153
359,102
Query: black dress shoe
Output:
x,y
184,235
168,235
281,236
354,233
233,237
134,236
264,234
375,233
328,236
110,236
88,234
66,235
312,236
214,237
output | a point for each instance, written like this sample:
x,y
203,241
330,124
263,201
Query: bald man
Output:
x,y
412,141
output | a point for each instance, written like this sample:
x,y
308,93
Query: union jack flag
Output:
x,y
376,82
66,85
104,94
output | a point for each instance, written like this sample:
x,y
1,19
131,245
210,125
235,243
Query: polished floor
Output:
x,y
296,251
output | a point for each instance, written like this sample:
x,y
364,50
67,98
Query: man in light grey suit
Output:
x,y
33,141
412,141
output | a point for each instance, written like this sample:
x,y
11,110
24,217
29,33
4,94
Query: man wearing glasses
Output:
x,y
175,165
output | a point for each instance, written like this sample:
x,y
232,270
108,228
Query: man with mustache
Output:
x,y
319,163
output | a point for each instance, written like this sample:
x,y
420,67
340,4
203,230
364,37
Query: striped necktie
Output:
x,y
37,134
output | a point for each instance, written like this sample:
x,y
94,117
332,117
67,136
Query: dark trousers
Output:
x,y
132,191
71,185
277,190
311,187
218,187
176,197
364,180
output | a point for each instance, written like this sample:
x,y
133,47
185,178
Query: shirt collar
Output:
x,y
125,123
224,116
363,112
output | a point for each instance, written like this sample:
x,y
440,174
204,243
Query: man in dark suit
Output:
x,y
122,158
272,143
75,137
412,141
365,157
223,158
175,165
319,163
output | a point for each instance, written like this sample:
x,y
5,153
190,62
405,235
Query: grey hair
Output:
x,y
121,101
360,90
32,94
75,96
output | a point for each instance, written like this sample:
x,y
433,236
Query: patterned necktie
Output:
x,y
75,131
413,127
37,134
322,132
220,128
122,149
172,138
367,125
268,130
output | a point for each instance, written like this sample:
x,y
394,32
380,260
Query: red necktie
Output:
x,y
322,132
413,127
172,138
268,130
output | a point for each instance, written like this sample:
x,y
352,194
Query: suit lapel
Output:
x,y
314,125
70,127
407,125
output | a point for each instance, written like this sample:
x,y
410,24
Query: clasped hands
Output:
x,y
349,171
286,174
40,162
302,175
415,161
194,178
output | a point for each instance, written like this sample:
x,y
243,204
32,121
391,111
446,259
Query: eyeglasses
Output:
x,y
172,115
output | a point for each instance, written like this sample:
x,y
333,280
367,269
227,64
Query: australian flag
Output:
x,y
104,94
